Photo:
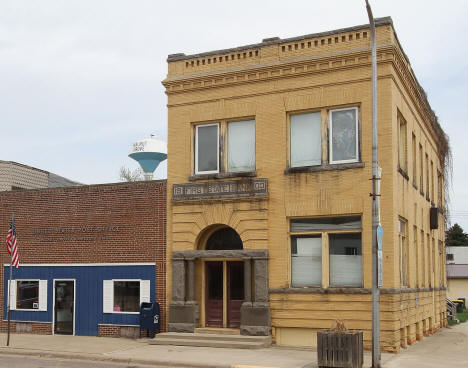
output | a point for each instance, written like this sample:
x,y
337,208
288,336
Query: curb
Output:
x,y
103,358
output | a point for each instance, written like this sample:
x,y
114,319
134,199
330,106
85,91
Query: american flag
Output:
x,y
11,243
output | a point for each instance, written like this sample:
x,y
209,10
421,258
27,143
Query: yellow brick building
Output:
x,y
269,213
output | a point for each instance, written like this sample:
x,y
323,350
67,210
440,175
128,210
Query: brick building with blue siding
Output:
x,y
89,256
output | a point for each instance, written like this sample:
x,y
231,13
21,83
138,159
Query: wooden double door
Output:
x,y
224,293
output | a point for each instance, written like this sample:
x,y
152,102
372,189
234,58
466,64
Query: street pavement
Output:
x,y
447,347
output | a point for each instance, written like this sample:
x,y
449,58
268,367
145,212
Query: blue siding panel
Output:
x,y
88,304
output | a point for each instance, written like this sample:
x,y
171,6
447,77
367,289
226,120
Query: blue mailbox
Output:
x,y
150,317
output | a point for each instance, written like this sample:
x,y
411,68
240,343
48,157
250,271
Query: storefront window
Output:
x,y
126,296
27,294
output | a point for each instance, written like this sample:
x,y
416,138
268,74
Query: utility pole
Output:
x,y
376,227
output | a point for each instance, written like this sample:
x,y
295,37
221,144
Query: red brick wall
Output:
x,y
108,223
37,328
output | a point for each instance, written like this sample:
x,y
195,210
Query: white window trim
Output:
x,y
196,150
330,139
141,298
15,294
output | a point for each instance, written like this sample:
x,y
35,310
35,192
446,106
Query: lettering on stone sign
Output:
x,y
220,189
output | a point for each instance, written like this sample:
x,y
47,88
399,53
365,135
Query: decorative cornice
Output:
x,y
317,64
277,41
276,70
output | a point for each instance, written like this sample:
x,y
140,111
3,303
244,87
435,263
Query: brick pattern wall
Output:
x,y
109,223
36,328
119,331
313,74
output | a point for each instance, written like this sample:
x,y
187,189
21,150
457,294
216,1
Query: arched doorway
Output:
x,y
224,281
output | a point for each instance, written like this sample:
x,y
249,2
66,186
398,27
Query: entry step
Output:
x,y
218,331
211,340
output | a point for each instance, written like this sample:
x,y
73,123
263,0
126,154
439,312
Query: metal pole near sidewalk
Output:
x,y
9,290
375,203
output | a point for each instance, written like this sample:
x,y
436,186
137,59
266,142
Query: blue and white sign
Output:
x,y
379,237
379,256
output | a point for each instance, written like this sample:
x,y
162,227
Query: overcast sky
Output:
x,y
81,80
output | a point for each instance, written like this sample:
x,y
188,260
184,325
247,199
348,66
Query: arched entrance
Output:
x,y
224,281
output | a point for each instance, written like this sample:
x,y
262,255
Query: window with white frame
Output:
x,y
236,153
308,244
207,149
344,138
30,295
125,296
305,139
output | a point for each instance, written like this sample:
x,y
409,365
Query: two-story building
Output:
x,y
269,167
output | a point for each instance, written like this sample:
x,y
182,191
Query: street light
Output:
x,y
376,248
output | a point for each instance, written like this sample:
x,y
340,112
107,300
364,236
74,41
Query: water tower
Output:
x,y
149,153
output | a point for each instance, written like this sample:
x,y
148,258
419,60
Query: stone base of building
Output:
x,y
255,319
183,316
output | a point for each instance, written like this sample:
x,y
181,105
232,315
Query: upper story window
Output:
x,y
241,146
305,139
234,153
344,138
207,149
421,169
402,144
413,146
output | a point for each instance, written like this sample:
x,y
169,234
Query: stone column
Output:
x,y
191,279
178,279
255,316
261,280
183,314
247,280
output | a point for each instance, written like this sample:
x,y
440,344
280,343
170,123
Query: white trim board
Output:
x,y
82,264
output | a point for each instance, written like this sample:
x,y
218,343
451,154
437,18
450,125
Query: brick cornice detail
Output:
x,y
281,69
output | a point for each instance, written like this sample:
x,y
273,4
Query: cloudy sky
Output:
x,y
80,80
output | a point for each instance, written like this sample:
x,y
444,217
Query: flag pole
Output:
x,y
9,289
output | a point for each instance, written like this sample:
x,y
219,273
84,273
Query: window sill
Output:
x,y
121,312
415,186
28,310
320,290
243,174
421,192
427,198
403,173
324,167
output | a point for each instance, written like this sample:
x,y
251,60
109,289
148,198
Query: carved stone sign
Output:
x,y
221,189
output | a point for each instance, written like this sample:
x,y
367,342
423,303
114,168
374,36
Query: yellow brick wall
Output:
x,y
267,84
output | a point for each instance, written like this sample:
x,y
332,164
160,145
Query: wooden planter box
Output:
x,y
339,349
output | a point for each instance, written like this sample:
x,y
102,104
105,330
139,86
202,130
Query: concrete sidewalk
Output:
x,y
445,347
